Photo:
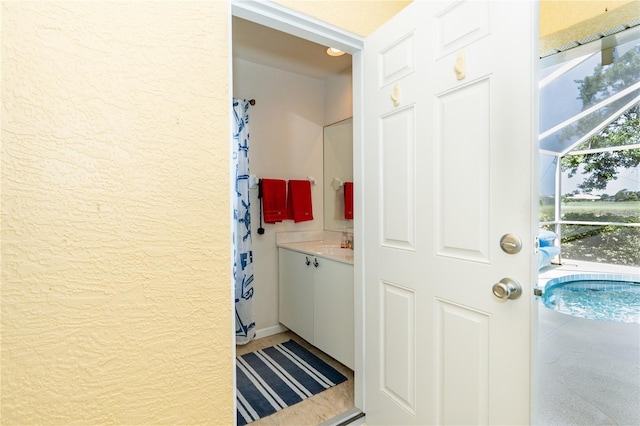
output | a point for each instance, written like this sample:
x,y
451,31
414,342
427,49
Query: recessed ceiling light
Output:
x,y
332,51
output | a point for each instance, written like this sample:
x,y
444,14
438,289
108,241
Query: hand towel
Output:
x,y
299,201
274,200
348,200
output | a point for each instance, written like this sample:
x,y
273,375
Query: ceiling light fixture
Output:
x,y
332,51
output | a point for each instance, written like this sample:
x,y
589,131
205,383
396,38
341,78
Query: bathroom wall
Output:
x,y
286,127
286,143
338,100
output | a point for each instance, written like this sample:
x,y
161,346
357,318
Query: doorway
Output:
x,y
286,30
589,345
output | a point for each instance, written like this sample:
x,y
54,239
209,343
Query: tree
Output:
x,y
602,167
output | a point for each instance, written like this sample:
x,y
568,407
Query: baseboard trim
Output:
x,y
270,331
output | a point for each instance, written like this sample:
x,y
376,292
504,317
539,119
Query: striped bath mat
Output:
x,y
274,378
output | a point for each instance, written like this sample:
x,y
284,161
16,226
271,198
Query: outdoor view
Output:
x,y
591,142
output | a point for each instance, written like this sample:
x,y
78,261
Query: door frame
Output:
x,y
297,24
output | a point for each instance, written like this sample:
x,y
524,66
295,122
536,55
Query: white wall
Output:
x,y
286,128
286,143
338,102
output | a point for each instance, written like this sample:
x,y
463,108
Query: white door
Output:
x,y
448,167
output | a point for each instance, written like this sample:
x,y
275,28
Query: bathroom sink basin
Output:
x,y
325,249
335,250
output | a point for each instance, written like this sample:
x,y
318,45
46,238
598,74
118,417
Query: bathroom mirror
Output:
x,y
338,168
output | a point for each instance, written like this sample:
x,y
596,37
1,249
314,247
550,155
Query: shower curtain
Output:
x,y
243,257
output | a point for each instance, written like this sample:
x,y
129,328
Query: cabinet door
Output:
x,y
333,313
295,293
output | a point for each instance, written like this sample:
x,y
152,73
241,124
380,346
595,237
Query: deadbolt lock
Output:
x,y
510,243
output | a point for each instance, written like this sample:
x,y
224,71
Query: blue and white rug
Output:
x,y
274,378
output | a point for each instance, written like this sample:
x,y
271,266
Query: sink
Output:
x,y
327,249
335,250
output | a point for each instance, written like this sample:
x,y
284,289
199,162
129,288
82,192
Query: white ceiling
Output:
x,y
266,46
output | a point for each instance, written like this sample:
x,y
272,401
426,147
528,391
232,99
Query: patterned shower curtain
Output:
x,y
242,254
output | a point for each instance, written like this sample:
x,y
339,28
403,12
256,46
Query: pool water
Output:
x,y
598,299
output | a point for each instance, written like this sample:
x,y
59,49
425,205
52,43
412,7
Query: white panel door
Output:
x,y
450,112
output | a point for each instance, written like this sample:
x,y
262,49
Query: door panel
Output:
x,y
449,162
397,173
396,60
398,367
460,24
462,221
462,336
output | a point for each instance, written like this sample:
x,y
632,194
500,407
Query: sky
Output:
x,y
560,101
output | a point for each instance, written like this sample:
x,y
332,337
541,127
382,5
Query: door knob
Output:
x,y
507,289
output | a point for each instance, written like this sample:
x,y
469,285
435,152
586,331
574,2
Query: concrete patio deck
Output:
x,y
589,370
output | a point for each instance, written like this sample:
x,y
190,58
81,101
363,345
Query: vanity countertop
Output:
x,y
328,249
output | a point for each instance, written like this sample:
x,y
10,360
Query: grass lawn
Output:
x,y
599,243
624,211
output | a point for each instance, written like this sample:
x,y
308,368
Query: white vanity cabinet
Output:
x,y
295,293
333,310
316,302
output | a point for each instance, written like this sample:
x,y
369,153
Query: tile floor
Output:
x,y
320,407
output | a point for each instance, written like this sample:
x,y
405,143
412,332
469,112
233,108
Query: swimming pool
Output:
x,y
605,297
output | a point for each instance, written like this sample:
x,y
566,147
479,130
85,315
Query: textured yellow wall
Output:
x,y
115,292
563,22
557,15
359,17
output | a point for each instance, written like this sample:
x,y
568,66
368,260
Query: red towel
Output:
x,y
348,200
274,200
299,201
